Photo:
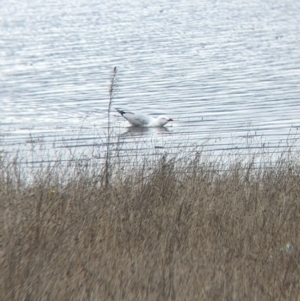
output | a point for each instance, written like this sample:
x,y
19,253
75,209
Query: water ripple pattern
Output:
x,y
220,69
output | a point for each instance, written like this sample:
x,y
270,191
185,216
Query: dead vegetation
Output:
x,y
175,229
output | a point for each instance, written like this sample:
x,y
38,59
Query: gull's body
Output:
x,y
141,120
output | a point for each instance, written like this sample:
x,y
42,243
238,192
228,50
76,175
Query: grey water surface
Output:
x,y
223,70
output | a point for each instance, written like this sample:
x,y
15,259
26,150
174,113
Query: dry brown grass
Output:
x,y
182,231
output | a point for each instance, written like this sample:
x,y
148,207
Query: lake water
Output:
x,y
223,70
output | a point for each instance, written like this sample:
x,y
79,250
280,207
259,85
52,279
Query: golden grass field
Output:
x,y
175,229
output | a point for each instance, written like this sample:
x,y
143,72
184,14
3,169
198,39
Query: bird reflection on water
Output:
x,y
137,132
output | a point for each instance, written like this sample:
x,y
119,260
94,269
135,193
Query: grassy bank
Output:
x,y
175,229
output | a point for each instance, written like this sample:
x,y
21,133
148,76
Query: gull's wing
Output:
x,y
136,119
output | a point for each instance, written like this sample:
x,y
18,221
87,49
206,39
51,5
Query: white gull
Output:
x,y
141,120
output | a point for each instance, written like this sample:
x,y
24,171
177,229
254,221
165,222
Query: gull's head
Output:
x,y
162,120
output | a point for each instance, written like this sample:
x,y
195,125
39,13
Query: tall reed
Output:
x,y
112,89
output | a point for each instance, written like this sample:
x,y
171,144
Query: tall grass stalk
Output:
x,y
112,89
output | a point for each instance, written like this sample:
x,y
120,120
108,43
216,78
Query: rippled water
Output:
x,y
220,69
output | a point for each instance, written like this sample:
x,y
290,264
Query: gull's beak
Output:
x,y
170,119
